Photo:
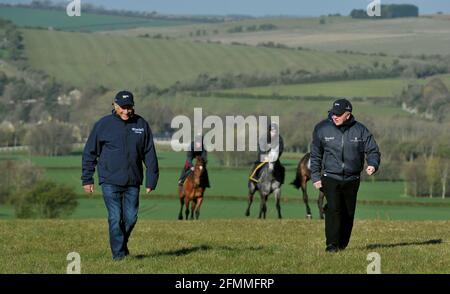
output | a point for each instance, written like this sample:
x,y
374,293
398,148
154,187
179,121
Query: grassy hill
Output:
x,y
85,59
224,246
360,88
422,35
86,22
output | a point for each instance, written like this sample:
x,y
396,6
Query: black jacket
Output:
x,y
118,148
339,151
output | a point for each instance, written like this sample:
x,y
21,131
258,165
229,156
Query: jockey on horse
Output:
x,y
196,149
269,152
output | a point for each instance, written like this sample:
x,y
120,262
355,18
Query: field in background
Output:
x,y
228,196
422,35
86,22
361,88
83,59
224,246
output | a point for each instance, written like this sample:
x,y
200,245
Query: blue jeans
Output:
x,y
122,203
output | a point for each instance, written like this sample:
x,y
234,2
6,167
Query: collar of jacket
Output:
x,y
346,125
116,116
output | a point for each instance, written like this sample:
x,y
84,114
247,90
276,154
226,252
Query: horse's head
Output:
x,y
199,168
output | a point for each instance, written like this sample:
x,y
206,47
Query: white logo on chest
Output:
x,y
138,130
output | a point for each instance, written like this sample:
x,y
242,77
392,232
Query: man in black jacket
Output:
x,y
118,144
339,146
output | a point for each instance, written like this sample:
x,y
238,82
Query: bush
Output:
x,y
15,176
46,199
51,138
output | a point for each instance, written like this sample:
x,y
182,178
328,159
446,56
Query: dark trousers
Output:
x,y
340,210
122,203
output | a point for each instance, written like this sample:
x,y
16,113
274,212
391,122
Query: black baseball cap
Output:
x,y
340,106
124,98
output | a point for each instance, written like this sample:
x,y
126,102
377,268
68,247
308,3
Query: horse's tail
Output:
x,y
296,182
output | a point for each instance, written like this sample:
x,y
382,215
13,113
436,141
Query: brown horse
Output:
x,y
303,175
192,190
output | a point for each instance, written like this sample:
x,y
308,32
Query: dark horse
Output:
x,y
192,190
303,175
266,185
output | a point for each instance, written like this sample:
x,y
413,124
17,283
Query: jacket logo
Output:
x,y
356,140
138,130
328,139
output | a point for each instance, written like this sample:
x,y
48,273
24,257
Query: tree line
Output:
x,y
389,11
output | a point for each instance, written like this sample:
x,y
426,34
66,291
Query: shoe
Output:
x,y
331,248
118,258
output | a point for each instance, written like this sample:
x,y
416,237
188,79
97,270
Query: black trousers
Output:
x,y
340,210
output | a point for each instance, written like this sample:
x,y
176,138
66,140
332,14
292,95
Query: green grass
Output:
x,y
86,22
224,246
361,88
168,207
116,61
282,107
388,88
227,197
391,36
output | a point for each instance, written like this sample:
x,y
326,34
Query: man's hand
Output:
x,y
88,188
148,190
370,170
317,184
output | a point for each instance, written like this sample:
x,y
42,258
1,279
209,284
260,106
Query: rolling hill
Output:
x,y
415,36
90,22
117,61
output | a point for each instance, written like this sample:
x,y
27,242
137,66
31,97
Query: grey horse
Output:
x,y
267,184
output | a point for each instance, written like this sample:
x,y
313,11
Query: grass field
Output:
x,y
359,88
224,246
422,35
275,106
84,59
391,36
86,22
377,200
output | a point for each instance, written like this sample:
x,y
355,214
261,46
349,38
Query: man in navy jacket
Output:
x,y
117,145
338,149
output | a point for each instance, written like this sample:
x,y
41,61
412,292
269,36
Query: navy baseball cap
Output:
x,y
340,106
124,98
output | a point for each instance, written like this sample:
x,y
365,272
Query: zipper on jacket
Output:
x,y
342,157
127,152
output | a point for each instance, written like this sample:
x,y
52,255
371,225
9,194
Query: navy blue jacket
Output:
x,y
341,150
118,148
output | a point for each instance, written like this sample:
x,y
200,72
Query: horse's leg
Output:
x,y
251,192
194,203
305,199
197,207
277,193
180,215
186,203
263,206
320,204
